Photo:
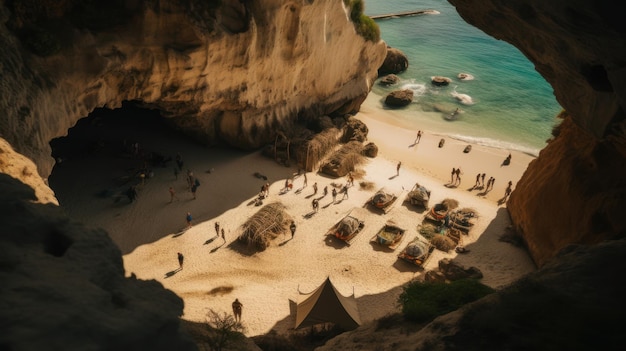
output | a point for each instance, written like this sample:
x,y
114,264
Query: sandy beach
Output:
x,y
268,283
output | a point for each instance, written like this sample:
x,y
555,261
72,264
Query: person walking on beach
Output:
x,y
181,258
489,183
419,136
477,180
173,195
217,228
292,227
314,188
398,168
315,205
334,193
237,306
325,190
482,179
508,190
458,176
189,219
452,175
223,235
345,192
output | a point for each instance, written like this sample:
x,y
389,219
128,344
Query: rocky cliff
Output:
x,y
575,191
223,71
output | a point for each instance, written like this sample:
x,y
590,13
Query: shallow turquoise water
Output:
x,y
511,106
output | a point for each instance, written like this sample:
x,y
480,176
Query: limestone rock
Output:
x,y
578,48
355,130
64,284
440,81
389,79
399,98
452,270
222,73
395,62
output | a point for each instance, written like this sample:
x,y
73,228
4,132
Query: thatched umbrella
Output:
x,y
344,160
265,225
312,151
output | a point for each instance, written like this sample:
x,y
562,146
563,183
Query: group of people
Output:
x,y
455,176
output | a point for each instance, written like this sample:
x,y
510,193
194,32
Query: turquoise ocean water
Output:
x,y
511,106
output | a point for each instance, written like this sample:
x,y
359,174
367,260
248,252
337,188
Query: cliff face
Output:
x,y
575,191
233,73
222,71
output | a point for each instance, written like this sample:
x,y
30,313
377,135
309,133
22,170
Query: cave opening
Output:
x,y
107,159
115,167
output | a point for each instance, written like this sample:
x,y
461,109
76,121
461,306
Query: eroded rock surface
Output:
x,y
233,73
63,285
574,191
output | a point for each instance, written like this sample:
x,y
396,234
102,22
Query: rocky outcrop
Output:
x,y
395,62
440,81
388,80
233,73
399,98
63,285
574,191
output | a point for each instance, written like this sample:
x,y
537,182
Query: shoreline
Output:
x,y
267,283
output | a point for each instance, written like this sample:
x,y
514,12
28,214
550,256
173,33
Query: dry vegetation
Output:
x,y
344,160
265,225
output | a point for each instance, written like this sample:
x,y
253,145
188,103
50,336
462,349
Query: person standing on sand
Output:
x,y
315,205
325,190
482,178
345,192
189,219
217,228
334,193
458,176
292,227
181,258
305,181
237,306
173,195
314,188
398,168
419,136
223,235
452,175
477,180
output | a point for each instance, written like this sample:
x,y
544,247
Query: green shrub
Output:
x,y
364,25
422,301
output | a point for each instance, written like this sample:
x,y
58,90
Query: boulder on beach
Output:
x,y
389,79
395,62
399,98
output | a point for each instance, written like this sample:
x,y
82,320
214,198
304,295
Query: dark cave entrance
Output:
x,y
120,143
110,159
115,168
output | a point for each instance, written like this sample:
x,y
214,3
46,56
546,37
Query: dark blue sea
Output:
x,y
505,103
